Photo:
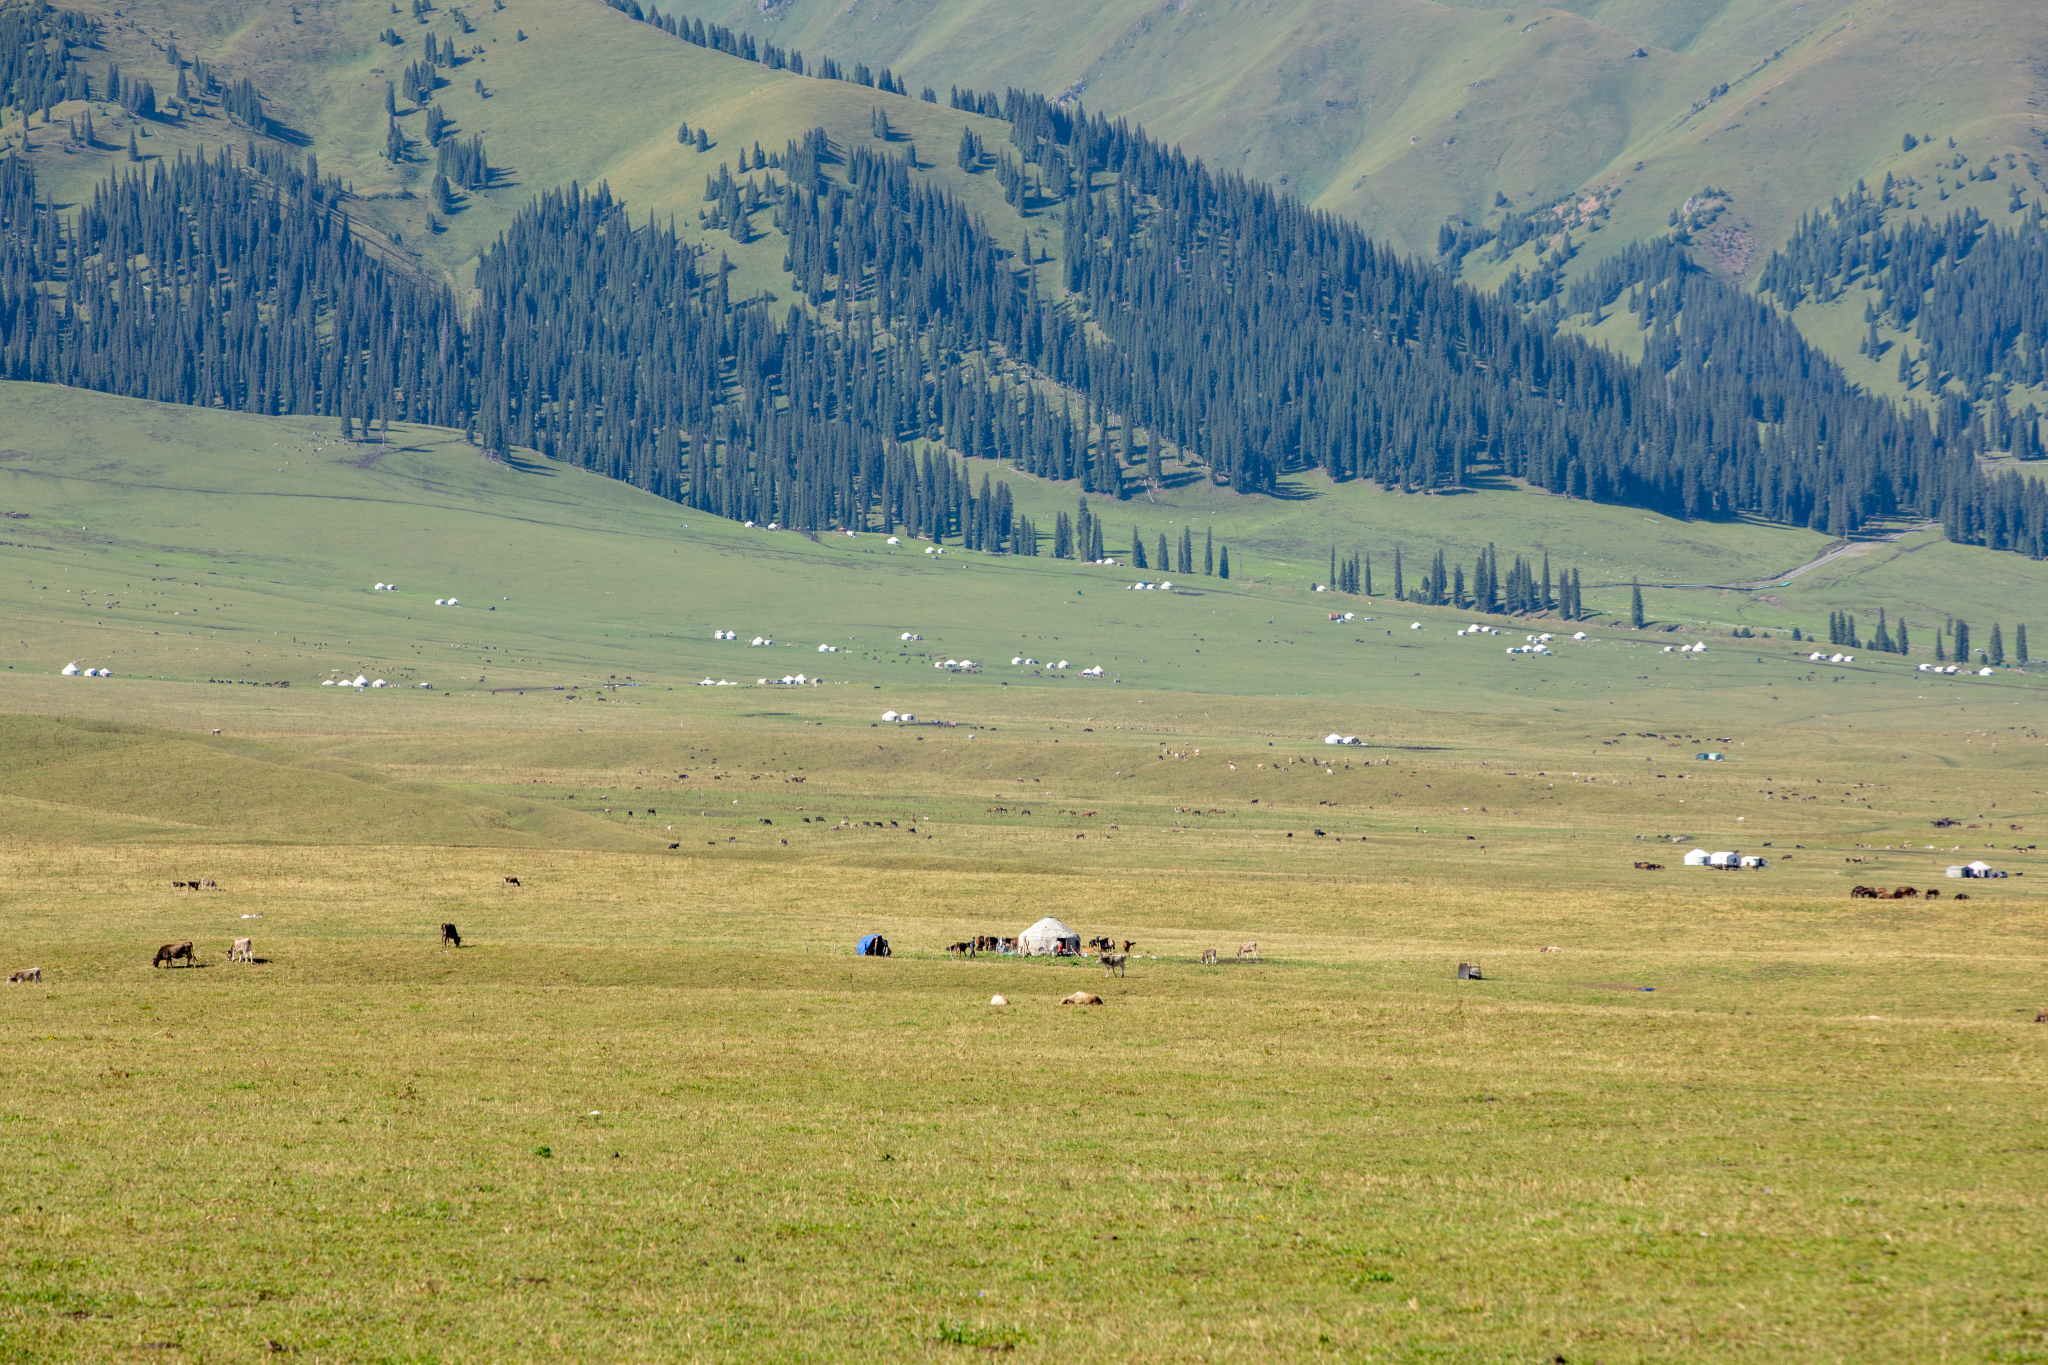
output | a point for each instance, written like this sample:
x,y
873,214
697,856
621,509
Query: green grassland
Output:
x,y
655,1109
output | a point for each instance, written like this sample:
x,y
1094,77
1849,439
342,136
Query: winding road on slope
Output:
x,y
1784,579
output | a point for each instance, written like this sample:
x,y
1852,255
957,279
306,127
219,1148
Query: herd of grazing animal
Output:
x,y
1878,893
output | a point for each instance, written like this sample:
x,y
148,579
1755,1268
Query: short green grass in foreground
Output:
x,y
655,1109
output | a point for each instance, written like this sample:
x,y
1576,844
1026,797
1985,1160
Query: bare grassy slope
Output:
x,y
1404,112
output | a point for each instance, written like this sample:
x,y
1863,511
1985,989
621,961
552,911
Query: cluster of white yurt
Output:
x,y
385,587
447,601
935,549
761,641
1699,648
1094,672
1476,629
1726,860
955,665
1149,587
359,681
1334,738
707,682
898,717
72,670
828,649
1820,658
786,680
725,635
1530,649
1947,668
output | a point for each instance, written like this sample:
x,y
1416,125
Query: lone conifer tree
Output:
x,y
2019,643
1209,568
1223,562
1635,604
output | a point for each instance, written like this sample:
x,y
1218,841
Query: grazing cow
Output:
x,y
170,953
26,975
241,951
1208,957
2040,1017
1081,998
1862,893
1245,950
1114,962
450,936
1962,895
208,884
511,881
1933,894
961,947
1649,867
1101,944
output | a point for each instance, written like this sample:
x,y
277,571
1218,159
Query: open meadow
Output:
x,y
655,1107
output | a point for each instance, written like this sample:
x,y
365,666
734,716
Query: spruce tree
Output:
x,y
2019,644
1997,650
1165,560
1223,562
1331,581
1962,633
1138,550
1635,604
1209,556
1905,645
1399,594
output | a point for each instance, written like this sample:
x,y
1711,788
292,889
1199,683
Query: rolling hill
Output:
x,y
1404,113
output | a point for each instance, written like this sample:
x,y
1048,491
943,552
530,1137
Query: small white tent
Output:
x,y
1696,858
1728,859
1046,936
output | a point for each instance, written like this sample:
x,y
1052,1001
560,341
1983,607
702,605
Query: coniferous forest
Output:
x,y
1201,314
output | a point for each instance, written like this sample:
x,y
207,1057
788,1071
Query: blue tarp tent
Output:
x,y
874,945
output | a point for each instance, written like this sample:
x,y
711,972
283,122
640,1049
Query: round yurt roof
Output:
x,y
1047,931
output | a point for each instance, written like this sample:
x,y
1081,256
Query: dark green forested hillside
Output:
x,y
1202,313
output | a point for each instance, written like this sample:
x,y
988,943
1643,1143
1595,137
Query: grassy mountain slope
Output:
x,y
168,542
588,95
1401,113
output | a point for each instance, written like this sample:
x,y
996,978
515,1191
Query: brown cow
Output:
x,y
171,952
1245,950
1114,962
449,935
26,975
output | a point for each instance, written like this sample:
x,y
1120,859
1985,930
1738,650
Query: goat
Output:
x,y
1113,962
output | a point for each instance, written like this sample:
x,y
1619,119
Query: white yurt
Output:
x,y
71,670
1728,859
1697,858
1045,937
